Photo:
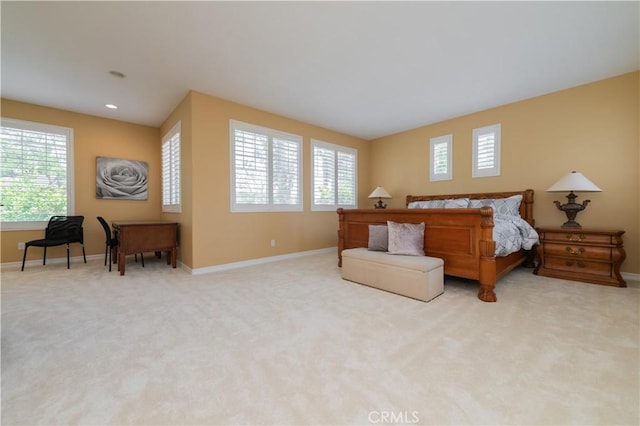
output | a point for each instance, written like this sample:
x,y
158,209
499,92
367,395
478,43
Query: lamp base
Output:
x,y
380,204
571,209
571,224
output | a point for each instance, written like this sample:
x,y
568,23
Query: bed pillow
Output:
x,y
476,204
507,206
406,238
378,238
456,203
431,204
510,206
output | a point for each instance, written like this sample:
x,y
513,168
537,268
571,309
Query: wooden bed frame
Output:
x,y
463,238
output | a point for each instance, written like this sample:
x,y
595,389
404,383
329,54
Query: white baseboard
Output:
x,y
252,262
630,276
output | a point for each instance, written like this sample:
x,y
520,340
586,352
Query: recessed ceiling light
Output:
x,y
111,106
117,74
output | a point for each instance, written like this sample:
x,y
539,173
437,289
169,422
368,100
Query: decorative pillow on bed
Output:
x,y
508,206
431,204
456,203
378,238
406,238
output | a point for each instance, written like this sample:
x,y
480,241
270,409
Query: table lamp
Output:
x,y
574,181
379,193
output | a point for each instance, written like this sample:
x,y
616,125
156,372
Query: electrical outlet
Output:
x,y
20,246
273,243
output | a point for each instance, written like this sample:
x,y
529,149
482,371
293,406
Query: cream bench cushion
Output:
x,y
418,277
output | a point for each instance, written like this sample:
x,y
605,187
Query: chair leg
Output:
x,y
68,263
110,254
44,259
142,258
84,255
24,256
106,249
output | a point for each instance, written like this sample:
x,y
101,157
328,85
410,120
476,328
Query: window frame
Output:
x,y
433,142
336,149
168,138
70,181
477,172
270,134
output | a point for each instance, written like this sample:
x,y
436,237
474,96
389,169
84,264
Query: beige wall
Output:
x,y
93,137
182,113
221,237
592,129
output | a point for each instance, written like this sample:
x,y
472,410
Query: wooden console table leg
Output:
x,y
121,261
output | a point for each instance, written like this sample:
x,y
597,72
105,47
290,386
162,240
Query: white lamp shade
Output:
x,y
574,181
379,192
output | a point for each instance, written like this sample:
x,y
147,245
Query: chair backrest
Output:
x,y
67,228
107,229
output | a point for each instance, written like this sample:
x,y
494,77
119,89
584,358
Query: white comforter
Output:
x,y
512,233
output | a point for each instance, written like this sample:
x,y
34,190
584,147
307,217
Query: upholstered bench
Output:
x,y
418,277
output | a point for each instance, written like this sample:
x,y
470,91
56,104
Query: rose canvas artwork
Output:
x,y
121,179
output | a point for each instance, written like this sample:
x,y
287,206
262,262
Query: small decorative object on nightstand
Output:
x,y
590,256
379,193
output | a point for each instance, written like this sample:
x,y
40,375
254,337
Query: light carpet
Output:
x,y
290,342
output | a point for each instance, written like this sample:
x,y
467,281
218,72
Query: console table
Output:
x,y
587,255
139,236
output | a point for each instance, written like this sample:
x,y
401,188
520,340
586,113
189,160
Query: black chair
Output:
x,y
111,243
60,230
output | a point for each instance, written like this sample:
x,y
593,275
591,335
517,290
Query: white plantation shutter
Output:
x,y
440,154
266,169
486,151
251,168
171,171
36,173
346,178
334,182
286,173
324,177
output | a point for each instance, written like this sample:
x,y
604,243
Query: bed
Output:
x,y
462,237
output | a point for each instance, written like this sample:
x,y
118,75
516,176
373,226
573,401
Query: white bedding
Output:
x,y
512,233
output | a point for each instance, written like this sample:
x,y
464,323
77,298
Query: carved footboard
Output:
x,y
463,238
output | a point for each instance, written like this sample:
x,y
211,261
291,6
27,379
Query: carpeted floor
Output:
x,y
289,342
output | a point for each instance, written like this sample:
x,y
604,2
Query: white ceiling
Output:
x,y
367,69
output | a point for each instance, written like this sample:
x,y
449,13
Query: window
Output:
x,y
486,151
334,176
266,169
36,173
171,201
440,153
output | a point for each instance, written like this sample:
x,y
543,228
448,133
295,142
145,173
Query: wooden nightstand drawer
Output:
x,y
579,266
592,256
578,251
579,237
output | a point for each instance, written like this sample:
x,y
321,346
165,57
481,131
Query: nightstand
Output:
x,y
592,256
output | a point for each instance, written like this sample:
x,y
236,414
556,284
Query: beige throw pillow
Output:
x,y
406,238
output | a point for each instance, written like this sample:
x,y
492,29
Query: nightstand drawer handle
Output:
x,y
570,237
575,252
580,263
